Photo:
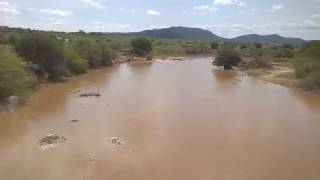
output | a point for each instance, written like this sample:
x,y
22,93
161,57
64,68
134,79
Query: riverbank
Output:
x,y
279,73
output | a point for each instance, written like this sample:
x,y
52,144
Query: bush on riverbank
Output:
x,y
74,62
95,52
45,52
307,65
141,46
14,76
227,58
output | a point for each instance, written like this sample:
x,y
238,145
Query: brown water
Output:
x,y
178,121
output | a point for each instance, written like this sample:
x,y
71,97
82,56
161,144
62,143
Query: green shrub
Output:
x,y
214,45
74,62
258,45
197,48
14,78
141,46
227,57
283,53
307,65
44,51
97,53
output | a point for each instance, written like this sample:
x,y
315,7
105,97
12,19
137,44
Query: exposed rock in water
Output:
x,y
75,121
51,141
176,59
116,141
11,103
91,94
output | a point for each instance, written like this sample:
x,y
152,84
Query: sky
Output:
x,y
226,18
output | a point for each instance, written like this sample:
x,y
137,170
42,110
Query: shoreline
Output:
x,y
281,73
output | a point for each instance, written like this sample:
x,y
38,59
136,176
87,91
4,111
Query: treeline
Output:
x,y
307,65
305,60
28,58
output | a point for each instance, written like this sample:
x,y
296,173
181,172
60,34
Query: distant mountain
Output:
x,y
201,34
271,39
181,33
175,33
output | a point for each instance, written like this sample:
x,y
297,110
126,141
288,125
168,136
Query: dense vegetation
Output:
x,y
14,76
227,58
141,46
307,65
28,57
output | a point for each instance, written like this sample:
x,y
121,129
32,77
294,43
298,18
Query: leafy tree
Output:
x,y
214,45
74,62
14,78
287,46
227,58
44,51
96,52
258,45
141,46
243,46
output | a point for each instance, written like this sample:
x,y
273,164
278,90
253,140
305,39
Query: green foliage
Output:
x,y
197,48
307,65
283,53
287,46
311,49
258,45
141,46
74,62
227,57
14,78
214,45
97,53
243,46
44,51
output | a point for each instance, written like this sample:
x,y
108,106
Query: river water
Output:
x,y
177,121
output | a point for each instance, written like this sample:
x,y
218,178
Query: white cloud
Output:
x,y
56,12
153,13
94,3
277,7
128,10
216,3
59,23
157,27
111,27
7,9
204,8
228,2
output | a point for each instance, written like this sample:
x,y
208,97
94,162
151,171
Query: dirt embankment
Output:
x,y
279,73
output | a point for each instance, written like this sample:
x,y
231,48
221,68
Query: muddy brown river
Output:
x,y
176,120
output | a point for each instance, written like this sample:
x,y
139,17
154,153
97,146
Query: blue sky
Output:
x,y
227,18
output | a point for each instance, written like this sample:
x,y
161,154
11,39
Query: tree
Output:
x,y
43,51
214,45
287,46
141,46
14,78
258,45
97,53
227,58
74,62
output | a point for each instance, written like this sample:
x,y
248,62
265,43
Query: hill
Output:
x,y
181,33
271,39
